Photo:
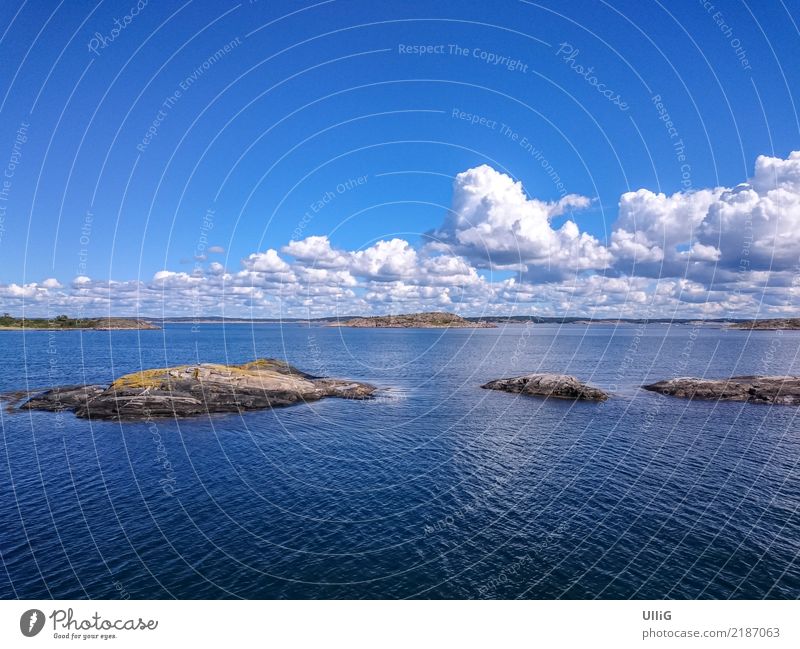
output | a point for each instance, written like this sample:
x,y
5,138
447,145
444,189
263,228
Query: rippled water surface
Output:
x,y
435,489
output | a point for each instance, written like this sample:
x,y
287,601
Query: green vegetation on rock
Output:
x,y
8,321
428,320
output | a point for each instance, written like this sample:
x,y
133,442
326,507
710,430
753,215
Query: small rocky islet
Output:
x,y
558,386
192,390
777,390
426,320
767,324
65,323
207,388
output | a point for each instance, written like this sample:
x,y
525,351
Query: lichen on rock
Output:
x,y
190,390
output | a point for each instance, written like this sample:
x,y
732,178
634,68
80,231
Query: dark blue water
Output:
x,y
435,489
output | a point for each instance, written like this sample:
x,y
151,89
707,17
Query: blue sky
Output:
x,y
125,147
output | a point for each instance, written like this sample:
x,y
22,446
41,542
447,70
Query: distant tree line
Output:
x,y
59,322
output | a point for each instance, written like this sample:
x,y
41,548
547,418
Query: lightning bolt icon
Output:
x,y
32,621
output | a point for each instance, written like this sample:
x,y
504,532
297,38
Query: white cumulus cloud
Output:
x,y
724,251
494,224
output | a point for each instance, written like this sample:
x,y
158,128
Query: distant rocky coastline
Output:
x,y
431,319
778,390
428,320
63,322
103,324
559,386
771,324
192,390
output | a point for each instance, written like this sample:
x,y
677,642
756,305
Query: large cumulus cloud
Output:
x,y
494,224
752,226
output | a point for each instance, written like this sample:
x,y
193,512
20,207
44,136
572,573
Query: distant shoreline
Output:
x,y
428,320
399,321
80,328
65,323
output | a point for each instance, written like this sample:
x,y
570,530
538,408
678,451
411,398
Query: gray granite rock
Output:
x,y
66,397
560,386
192,390
782,390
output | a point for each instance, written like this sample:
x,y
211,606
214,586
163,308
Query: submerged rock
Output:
x,y
782,390
560,386
191,390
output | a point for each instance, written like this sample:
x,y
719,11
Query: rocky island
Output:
x,y
559,386
64,322
779,390
191,390
769,324
428,320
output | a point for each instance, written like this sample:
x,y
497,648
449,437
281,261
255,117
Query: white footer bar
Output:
x,y
379,624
